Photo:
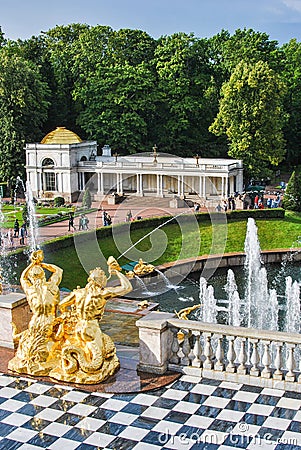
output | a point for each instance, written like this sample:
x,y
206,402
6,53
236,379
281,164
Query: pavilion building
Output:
x,y
64,165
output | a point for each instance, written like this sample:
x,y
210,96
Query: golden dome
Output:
x,y
61,136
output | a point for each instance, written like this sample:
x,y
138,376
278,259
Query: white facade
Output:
x,y
67,169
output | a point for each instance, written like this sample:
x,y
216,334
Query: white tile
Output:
x,y
4,380
273,392
230,385
50,414
290,403
216,402
21,435
261,444
63,444
199,422
179,443
57,429
100,440
82,410
37,388
146,446
262,410
144,399
75,396
230,415
16,419
29,447
277,423
115,405
213,437
174,394
246,430
155,413
244,396
43,400
91,424
186,407
123,418
191,379
7,392
290,438
12,405
205,389
164,426
134,433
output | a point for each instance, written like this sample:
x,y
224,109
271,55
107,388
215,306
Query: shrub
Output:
x,y
292,196
87,200
59,201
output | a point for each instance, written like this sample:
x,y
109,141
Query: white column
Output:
x,y
204,187
98,183
182,186
200,187
141,184
231,185
158,185
223,187
179,185
138,184
121,184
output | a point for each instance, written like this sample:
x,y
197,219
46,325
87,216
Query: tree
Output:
x,y
87,200
251,115
23,107
292,196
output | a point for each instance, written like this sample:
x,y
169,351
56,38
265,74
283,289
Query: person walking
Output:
x,y
71,222
23,233
16,228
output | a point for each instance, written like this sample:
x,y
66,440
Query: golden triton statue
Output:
x,y
142,268
68,346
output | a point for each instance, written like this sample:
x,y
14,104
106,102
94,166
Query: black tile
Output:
x,y
224,393
176,416
237,441
43,440
30,410
84,446
253,419
62,405
6,429
155,438
103,414
121,444
56,392
295,426
134,408
295,395
167,403
159,392
70,419
208,411
147,423
270,434
25,397
193,433
195,398
94,400
283,413
77,434
287,447
237,405
8,444
36,424
210,382
222,425
182,385
20,384
124,397
2,399
4,413
267,400
253,389
111,428
204,446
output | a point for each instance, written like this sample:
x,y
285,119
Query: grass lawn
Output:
x,y
11,213
172,243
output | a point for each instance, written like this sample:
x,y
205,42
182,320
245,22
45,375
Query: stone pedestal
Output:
x,y
13,308
177,203
155,339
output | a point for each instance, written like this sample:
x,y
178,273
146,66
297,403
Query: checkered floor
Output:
x,y
188,414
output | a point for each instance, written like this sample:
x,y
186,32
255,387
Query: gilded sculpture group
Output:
x,y
63,339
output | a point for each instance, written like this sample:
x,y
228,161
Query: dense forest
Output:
x,y
229,95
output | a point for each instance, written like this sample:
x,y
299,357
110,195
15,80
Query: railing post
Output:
x,y
231,355
219,354
241,369
254,358
278,375
197,349
174,359
266,360
290,363
208,364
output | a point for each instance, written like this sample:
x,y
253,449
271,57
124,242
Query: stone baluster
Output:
x,y
266,360
219,354
185,361
254,358
197,350
299,378
290,363
208,352
241,369
231,355
278,375
174,359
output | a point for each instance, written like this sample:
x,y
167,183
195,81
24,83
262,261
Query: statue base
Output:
x,y
13,308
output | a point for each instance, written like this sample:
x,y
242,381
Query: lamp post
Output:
x,y
116,156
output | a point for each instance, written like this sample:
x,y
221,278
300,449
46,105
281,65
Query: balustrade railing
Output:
x,y
224,350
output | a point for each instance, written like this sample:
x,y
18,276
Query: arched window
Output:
x,y
83,158
47,162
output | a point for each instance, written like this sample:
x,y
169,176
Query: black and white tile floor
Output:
x,y
188,414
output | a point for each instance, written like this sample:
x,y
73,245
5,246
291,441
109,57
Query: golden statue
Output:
x,y
43,296
142,268
184,313
68,346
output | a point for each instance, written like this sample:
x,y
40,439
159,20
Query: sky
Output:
x,y
280,19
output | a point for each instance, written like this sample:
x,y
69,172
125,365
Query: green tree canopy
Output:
x,y
292,196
